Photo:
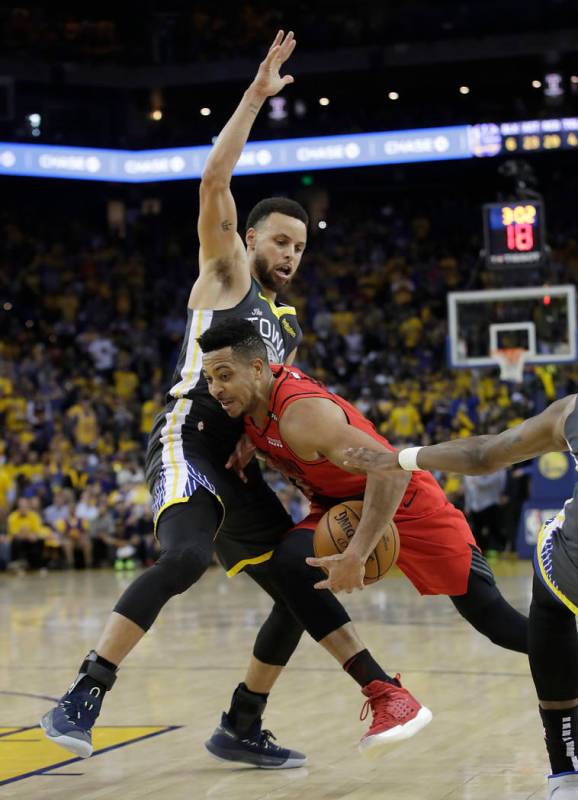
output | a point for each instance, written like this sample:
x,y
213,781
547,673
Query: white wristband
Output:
x,y
407,459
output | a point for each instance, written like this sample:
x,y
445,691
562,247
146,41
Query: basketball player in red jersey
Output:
x,y
304,430
200,507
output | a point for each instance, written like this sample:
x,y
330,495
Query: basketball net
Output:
x,y
511,361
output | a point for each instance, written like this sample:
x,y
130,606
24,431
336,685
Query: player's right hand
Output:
x,y
268,80
370,461
240,457
345,572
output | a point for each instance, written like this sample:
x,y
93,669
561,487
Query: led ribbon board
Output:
x,y
292,155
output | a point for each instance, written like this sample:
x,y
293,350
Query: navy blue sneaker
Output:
x,y
255,748
69,724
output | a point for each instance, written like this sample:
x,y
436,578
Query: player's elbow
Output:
x,y
481,463
213,180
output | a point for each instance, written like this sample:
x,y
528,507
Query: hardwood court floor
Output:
x,y
485,741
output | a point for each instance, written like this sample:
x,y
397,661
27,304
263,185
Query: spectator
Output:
x,y
74,538
26,534
404,423
484,495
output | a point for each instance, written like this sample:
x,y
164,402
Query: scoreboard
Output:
x,y
514,233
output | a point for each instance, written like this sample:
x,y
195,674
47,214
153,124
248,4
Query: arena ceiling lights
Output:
x,y
294,155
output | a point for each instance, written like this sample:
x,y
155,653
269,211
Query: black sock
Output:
x,y
561,736
363,669
246,708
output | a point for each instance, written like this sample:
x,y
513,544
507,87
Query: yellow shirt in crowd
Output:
x,y
85,425
125,383
27,522
405,422
148,412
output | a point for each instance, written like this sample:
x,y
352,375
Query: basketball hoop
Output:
x,y
511,361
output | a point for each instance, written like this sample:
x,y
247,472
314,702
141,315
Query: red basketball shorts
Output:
x,y
435,550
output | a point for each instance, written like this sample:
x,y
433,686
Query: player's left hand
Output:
x,y
370,461
240,457
345,572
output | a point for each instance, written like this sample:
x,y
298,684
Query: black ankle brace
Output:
x,y
94,668
246,708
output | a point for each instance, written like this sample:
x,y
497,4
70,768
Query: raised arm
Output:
x,y
314,428
479,455
221,245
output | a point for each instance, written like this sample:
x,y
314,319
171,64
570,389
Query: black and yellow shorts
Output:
x,y
545,563
253,518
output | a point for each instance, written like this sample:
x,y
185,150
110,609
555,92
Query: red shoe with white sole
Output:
x,y
397,716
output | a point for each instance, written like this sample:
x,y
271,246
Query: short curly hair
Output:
x,y
279,205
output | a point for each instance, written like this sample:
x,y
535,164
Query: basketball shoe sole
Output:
x,y
290,763
73,742
563,787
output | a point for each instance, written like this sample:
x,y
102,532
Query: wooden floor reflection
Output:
x,y
485,741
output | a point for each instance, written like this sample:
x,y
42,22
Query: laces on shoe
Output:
x,y
370,703
382,712
266,737
66,703
69,707
94,692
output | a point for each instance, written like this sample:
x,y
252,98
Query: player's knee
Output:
x,y
278,637
183,567
285,567
288,560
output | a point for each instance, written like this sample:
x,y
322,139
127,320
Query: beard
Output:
x,y
267,277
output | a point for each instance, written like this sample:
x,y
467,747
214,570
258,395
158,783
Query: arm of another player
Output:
x,y
479,455
217,225
314,428
241,456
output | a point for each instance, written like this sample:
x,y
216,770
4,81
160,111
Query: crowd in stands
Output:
x,y
198,32
91,325
80,47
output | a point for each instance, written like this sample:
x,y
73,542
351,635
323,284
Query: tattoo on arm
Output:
x,y
254,109
226,225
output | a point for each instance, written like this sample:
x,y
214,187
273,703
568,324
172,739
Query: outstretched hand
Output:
x,y
268,81
370,461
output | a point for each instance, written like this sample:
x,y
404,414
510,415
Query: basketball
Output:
x,y
337,526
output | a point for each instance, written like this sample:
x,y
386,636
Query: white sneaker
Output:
x,y
563,787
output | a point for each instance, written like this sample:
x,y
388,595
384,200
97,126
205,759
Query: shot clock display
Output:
x,y
514,233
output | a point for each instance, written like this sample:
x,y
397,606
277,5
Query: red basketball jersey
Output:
x,y
322,478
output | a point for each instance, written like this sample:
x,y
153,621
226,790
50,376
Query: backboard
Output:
x,y
540,319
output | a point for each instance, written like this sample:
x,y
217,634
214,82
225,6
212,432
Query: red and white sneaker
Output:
x,y
397,716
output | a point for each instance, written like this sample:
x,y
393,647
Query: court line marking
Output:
x,y
20,741
44,770
35,696
17,730
64,774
